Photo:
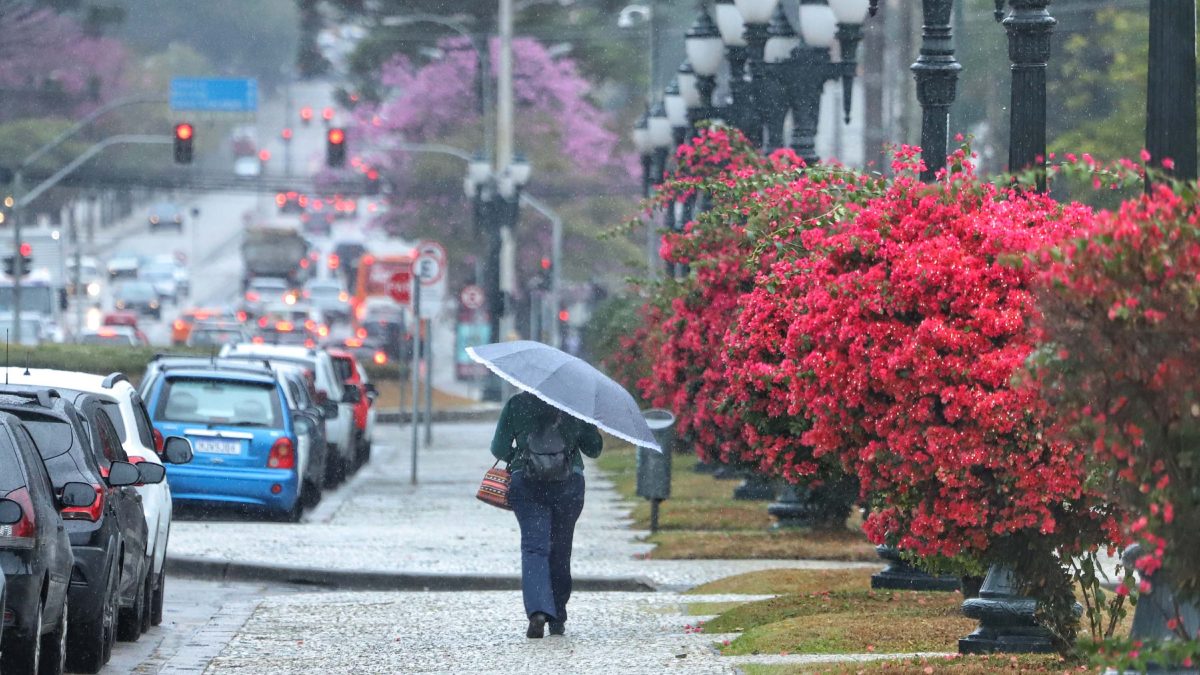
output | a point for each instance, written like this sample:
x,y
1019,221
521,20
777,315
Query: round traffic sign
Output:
x,y
400,287
471,297
429,269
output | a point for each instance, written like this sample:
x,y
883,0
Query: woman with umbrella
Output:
x,y
543,434
543,447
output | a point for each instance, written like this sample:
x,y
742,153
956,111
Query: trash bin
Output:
x,y
654,467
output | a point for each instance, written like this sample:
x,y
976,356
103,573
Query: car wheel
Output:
x,y
92,641
129,619
24,656
146,614
159,598
54,647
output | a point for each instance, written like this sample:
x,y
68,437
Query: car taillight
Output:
x,y
280,199
158,440
257,339
334,261
179,324
242,316
282,456
309,343
380,358
26,527
323,330
262,322
251,296
91,513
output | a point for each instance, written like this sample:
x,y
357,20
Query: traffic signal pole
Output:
x,y
23,199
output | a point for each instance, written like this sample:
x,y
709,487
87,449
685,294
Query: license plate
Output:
x,y
214,447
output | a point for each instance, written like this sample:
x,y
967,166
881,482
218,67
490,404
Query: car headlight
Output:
x,y
153,304
93,289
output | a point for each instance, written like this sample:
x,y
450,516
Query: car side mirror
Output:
x,y
10,512
351,394
331,410
372,390
121,474
151,473
82,495
177,450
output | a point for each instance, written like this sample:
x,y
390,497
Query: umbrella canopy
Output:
x,y
569,384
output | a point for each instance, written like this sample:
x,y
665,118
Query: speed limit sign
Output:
x,y
430,268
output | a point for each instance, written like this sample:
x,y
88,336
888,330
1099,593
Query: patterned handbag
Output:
x,y
494,488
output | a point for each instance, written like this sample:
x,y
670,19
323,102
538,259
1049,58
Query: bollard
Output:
x,y
653,467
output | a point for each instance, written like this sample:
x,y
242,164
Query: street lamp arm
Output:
x,y
124,139
81,124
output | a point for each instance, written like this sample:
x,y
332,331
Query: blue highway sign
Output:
x,y
214,94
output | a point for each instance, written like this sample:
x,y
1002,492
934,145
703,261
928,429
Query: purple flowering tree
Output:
x,y
578,164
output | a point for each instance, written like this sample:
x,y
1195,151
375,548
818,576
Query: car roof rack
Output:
x,y
112,380
45,396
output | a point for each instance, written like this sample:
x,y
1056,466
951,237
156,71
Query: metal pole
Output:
x,y
936,73
504,157
287,142
415,420
652,31
1171,86
1029,26
18,190
428,382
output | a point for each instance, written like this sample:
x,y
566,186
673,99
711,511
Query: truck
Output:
x,y
274,250
44,288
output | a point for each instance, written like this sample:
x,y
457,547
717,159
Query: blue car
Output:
x,y
246,449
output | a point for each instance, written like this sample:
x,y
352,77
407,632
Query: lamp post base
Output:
x,y
803,506
756,487
902,576
1006,619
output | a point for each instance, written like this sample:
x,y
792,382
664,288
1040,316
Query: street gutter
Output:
x,y
361,580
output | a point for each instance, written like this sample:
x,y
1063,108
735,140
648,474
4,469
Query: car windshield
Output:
x,y
221,402
207,337
105,339
323,291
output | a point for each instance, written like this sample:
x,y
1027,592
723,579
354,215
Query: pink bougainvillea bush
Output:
x,y
1122,325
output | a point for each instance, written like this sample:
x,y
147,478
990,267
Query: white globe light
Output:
x,y
756,11
818,25
659,127
641,140
850,12
676,109
731,24
779,49
689,88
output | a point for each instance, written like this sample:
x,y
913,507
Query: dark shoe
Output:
x,y
537,625
558,628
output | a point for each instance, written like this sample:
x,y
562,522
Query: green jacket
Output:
x,y
520,418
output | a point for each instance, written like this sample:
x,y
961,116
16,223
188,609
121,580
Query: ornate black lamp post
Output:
x,y
1029,26
733,33
936,72
705,52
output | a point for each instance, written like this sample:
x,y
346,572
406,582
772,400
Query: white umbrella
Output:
x,y
569,384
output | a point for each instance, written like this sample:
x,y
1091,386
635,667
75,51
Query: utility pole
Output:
x,y
504,158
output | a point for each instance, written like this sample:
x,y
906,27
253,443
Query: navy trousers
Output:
x,y
546,513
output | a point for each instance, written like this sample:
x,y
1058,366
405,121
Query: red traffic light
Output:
x,y
545,263
564,315
337,136
184,131
26,249
372,175
306,113
264,155
327,114
286,133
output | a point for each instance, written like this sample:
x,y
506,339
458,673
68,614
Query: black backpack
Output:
x,y
548,458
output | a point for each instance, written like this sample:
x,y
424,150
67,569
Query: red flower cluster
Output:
x,y
1122,303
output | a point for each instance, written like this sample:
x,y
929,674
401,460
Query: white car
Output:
x,y
141,442
339,429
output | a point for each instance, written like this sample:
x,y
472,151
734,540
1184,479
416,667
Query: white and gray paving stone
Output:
x,y
381,523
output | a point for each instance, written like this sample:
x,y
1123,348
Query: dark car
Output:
x,y
108,537
138,296
35,554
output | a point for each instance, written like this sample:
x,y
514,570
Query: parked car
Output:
x,y
263,291
165,214
76,445
340,427
35,554
310,418
138,296
118,398
364,412
246,450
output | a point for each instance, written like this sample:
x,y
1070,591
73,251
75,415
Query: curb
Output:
x,y
440,416
355,580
